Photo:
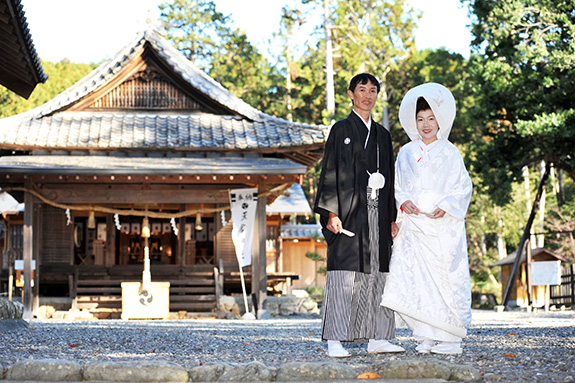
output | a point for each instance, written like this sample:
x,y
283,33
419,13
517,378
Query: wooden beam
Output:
x,y
188,181
259,258
27,253
181,260
101,194
110,258
37,229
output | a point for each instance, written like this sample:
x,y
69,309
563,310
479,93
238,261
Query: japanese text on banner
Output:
x,y
243,206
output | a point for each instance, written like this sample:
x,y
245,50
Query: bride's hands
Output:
x,y
409,207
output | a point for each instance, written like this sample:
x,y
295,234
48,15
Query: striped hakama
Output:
x,y
352,311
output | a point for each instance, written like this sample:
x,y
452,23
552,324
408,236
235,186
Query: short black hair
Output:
x,y
363,78
421,105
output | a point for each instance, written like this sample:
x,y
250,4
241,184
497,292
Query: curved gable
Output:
x,y
151,99
147,83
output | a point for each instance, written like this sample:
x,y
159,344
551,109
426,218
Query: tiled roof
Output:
x,y
91,164
293,201
301,231
20,67
153,131
45,126
510,259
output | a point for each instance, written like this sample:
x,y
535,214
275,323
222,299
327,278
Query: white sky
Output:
x,y
85,31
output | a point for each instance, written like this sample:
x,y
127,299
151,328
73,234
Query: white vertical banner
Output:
x,y
243,204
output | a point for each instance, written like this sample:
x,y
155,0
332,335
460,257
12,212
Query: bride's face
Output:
x,y
427,126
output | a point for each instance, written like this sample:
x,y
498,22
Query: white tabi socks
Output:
x,y
336,350
453,348
381,346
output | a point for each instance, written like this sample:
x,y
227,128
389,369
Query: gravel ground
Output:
x,y
511,346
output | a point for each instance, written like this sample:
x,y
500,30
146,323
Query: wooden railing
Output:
x,y
564,294
191,289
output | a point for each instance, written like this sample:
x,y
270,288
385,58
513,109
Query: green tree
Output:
x,y
239,67
61,76
524,87
291,19
370,36
195,28
308,94
202,33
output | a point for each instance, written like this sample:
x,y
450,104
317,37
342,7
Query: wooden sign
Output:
x,y
546,273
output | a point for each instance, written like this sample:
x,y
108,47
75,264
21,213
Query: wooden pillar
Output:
x,y
27,252
528,260
37,230
259,259
572,286
280,250
181,260
10,261
110,257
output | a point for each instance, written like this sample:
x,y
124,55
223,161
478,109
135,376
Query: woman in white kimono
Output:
x,y
428,283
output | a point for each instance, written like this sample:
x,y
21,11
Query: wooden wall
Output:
x,y
56,246
518,293
295,261
225,249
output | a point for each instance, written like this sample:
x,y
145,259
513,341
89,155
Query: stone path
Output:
x,y
503,347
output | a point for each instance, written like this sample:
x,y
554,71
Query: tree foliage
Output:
x,y
61,76
239,67
524,88
195,28
205,36
369,36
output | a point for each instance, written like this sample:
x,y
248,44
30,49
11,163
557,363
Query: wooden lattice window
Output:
x,y
57,236
146,90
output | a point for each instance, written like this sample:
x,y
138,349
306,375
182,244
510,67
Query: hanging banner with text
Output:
x,y
243,205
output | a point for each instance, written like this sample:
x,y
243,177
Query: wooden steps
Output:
x,y
192,291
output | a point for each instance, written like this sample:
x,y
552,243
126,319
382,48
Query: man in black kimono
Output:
x,y
355,201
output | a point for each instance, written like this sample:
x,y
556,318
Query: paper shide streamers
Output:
x,y
117,222
174,226
68,217
223,217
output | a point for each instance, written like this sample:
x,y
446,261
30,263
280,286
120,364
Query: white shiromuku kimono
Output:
x,y
428,283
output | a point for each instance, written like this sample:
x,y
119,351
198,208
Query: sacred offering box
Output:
x,y
140,303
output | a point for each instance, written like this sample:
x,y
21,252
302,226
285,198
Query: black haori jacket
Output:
x,y
343,190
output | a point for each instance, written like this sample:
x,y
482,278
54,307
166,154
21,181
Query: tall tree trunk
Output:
x,y
483,245
501,249
524,238
527,191
540,226
561,187
329,84
288,88
385,99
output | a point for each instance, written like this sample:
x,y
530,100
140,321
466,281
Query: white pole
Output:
x,y
146,275
247,314
547,292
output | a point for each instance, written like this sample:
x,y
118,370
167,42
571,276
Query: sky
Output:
x,y
86,31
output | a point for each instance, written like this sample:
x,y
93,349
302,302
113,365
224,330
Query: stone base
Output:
x,y
499,309
12,324
275,306
146,304
11,309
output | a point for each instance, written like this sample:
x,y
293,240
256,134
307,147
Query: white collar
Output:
x,y
426,147
367,123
